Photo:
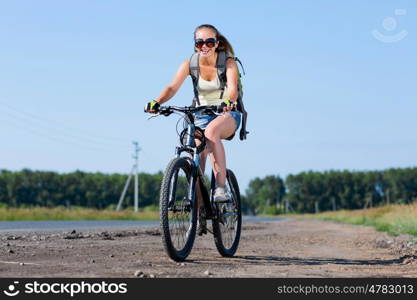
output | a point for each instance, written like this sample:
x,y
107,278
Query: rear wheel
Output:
x,y
227,227
177,212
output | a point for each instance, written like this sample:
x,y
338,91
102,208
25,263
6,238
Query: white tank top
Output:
x,y
209,91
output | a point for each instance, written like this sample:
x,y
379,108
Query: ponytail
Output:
x,y
224,44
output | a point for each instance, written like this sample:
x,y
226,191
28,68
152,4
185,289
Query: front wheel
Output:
x,y
178,213
227,226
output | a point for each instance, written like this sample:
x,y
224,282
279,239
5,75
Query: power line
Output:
x,y
64,127
58,132
51,138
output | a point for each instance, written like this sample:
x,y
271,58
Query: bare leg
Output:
x,y
220,128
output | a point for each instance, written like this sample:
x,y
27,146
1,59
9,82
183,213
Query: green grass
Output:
x,y
76,213
394,219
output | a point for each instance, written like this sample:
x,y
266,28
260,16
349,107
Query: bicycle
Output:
x,y
178,201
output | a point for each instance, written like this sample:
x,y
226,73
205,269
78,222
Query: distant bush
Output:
x,y
394,219
273,210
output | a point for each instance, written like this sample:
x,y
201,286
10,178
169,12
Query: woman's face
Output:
x,y
204,34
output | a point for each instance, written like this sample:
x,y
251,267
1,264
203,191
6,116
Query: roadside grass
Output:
x,y
75,213
393,219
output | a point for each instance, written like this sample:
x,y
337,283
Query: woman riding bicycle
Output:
x,y
208,43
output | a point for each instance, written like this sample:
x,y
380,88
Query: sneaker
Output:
x,y
202,223
220,195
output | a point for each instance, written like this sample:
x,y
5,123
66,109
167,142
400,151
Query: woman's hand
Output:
x,y
227,105
152,107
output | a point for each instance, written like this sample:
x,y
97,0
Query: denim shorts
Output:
x,y
202,120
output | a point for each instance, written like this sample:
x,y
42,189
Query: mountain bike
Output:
x,y
178,197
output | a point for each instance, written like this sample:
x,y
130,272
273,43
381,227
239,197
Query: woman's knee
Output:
x,y
212,134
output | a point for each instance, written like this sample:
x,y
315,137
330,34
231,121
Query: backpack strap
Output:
x,y
195,73
240,105
243,132
221,70
240,63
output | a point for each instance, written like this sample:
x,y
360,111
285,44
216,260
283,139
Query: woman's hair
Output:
x,y
224,44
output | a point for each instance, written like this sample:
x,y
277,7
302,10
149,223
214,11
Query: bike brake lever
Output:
x,y
151,117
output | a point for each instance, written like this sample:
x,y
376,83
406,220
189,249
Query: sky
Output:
x,y
328,84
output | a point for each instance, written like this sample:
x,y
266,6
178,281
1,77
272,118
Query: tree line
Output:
x,y
94,190
310,192
302,192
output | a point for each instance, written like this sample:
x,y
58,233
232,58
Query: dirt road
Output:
x,y
287,248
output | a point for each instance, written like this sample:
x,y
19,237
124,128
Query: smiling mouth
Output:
x,y
205,51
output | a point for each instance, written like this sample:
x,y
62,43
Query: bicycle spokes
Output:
x,y
227,226
179,209
228,215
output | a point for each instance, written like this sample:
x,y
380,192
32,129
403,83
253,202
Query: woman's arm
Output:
x,y
177,81
232,76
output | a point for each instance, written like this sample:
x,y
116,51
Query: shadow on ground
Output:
x,y
318,261
285,261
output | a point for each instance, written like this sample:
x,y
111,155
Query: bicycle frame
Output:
x,y
197,174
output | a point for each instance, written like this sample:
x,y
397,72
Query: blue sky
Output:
x,y
322,92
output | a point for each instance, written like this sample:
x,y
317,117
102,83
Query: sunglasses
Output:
x,y
199,43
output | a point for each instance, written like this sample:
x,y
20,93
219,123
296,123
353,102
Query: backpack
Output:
x,y
222,56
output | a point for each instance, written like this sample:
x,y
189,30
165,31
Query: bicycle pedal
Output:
x,y
202,231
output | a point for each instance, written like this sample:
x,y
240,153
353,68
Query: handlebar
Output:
x,y
206,109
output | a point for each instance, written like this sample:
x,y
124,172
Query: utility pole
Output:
x,y
136,157
135,172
